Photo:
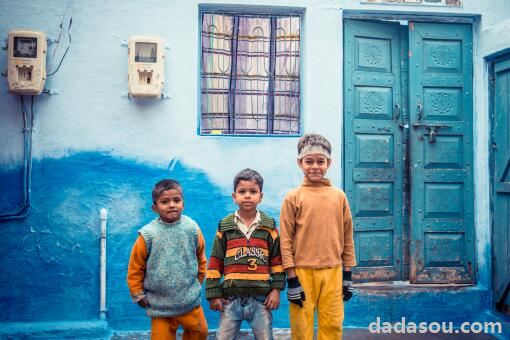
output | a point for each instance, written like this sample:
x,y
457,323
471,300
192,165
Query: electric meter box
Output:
x,y
146,68
26,62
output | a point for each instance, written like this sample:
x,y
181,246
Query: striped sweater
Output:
x,y
249,267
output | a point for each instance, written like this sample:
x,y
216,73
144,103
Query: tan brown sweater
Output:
x,y
316,227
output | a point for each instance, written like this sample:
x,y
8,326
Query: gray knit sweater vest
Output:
x,y
171,283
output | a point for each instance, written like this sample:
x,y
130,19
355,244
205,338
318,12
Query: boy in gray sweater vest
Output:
x,y
167,267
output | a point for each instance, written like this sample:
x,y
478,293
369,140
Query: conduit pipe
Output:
x,y
103,215
28,126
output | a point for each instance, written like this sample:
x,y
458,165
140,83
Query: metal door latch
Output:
x,y
433,128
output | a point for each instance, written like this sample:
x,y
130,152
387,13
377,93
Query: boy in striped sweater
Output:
x,y
246,253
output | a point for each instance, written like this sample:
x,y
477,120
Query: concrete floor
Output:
x,y
349,334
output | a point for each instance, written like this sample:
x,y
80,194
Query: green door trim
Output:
x,y
423,17
438,244
373,146
499,86
441,138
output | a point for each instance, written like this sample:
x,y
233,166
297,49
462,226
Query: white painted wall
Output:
x,y
491,40
91,113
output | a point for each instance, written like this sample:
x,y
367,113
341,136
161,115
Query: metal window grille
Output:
x,y
250,74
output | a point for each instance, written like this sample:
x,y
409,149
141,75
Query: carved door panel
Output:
x,y
441,96
373,147
501,185
408,172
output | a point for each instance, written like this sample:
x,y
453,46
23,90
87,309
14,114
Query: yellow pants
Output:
x,y
323,293
193,323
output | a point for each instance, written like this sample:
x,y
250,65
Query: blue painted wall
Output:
x,y
95,148
52,256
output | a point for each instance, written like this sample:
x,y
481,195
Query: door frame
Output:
x,y
388,16
492,60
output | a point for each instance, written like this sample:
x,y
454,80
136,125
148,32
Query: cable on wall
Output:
x,y
23,208
59,39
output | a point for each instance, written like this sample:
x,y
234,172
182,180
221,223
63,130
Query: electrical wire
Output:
x,y
24,207
67,49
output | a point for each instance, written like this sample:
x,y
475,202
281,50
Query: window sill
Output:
x,y
216,135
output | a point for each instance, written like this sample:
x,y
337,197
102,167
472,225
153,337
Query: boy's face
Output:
x,y
247,195
314,166
169,206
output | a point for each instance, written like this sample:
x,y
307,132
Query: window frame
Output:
x,y
258,11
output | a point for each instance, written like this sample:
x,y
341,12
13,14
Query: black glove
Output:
x,y
347,285
295,292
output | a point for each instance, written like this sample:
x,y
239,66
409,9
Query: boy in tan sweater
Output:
x,y
317,245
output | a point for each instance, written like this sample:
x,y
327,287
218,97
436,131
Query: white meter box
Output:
x,y
146,71
26,62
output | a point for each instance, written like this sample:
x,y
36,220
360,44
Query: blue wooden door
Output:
x,y
373,146
501,185
441,97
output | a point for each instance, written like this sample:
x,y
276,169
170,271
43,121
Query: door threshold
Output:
x,y
406,285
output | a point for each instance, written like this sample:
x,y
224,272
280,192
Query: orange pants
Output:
x,y
323,290
193,323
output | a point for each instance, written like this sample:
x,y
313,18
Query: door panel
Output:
x,y
440,76
373,147
501,178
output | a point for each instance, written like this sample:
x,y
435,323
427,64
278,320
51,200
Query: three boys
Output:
x,y
317,252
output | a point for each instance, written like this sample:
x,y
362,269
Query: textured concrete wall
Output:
x,y
96,148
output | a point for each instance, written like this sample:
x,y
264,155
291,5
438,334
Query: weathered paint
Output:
x,y
53,255
374,171
500,162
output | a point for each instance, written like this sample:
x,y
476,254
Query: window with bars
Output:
x,y
250,74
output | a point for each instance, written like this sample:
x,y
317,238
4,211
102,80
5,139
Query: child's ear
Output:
x,y
261,195
234,196
299,162
154,208
329,162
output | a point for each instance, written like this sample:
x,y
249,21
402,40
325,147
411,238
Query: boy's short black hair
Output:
x,y
248,175
164,185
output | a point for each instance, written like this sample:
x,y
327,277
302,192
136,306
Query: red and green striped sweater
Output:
x,y
249,267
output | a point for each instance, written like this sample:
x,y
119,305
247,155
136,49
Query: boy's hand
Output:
x,y
295,292
217,304
347,285
272,300
144,303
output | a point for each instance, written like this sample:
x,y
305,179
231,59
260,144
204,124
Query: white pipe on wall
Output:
x,y
102,281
